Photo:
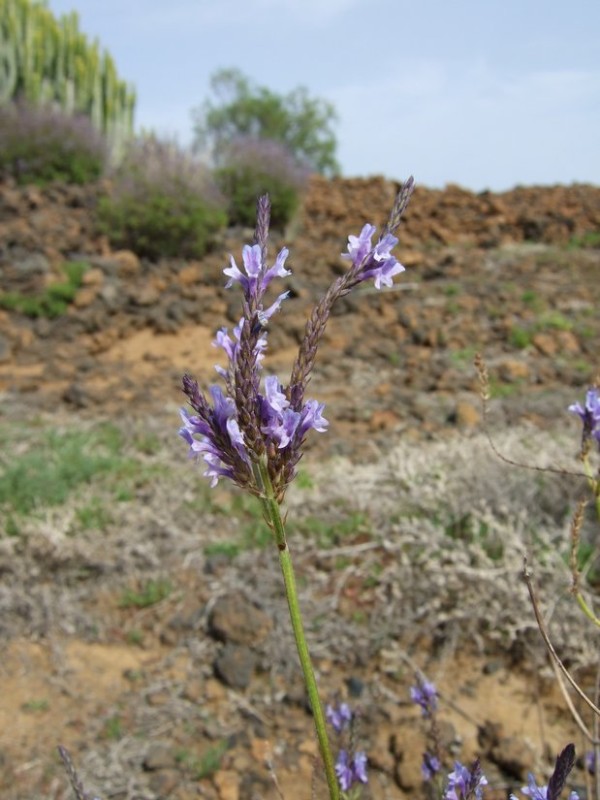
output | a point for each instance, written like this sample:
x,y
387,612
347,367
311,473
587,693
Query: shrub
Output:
x,y
254,167
163,202
40,144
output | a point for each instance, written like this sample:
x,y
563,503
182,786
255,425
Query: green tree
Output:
x,y
300,122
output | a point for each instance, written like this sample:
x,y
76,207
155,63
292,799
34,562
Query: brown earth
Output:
x,y
163,701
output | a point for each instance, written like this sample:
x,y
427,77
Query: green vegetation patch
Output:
x,y
54,300
331,533
56,464
204,765
152,592
589,239
41,469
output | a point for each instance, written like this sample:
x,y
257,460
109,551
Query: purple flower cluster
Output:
x,y
465,783
425,695
215,431
257,424
430,766
536,792
589,414
565,762
374,262
339,718
351,770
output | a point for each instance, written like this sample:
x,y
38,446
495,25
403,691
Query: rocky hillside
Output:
x,y
514,275
142,614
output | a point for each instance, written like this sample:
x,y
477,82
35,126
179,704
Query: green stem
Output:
x,y
594,483
273,515
587,610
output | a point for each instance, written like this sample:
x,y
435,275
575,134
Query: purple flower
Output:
x,y
344,771
373,262
360,246
312,417
257,278
231,346
464,784
536,792
221,443
280,422
425,694
533,790
339,718
265,316
349,770
589,414
360,767
430,767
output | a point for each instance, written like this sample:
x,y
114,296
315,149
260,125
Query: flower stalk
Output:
x,y
273,517
253,433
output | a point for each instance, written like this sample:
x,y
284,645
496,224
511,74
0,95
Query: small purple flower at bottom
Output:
x,y
590,762
424,695
360,767
465,783
350,770
340,717
430,767
589,413
536,792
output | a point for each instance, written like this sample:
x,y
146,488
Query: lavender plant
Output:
x,y
163,202
589,414
351,763
253,432
425,695
464,783
40,144
251,167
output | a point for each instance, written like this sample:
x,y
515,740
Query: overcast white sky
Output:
x,y
484,93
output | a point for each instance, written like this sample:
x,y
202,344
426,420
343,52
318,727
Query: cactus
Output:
x,y
8,68
49,60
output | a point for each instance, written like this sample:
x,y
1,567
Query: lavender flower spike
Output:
x,y
249,430
350,770
360,767
343,770
368,261
465,783
430,767
565,762
535,792
589,414
425,695
340,717
246,425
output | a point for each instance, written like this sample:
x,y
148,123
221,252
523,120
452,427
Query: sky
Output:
x,y
488,94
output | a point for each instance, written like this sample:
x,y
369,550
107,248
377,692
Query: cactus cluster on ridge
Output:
x,y
45,60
